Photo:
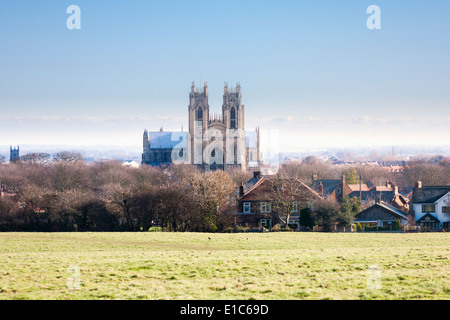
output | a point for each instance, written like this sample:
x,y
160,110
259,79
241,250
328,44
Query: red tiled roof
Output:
x,y
262,190
355,187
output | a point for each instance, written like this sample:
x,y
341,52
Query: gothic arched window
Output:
x,y
199,116
233,118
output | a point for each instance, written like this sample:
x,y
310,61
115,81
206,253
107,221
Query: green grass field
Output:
x,y
157,265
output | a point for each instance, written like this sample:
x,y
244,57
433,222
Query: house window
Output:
x,y
246,207
446,209
428,208
266,223
338,190
295,206
266,207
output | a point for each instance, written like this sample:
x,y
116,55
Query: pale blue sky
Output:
x,y
310,69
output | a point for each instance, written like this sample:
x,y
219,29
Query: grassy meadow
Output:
x,y
156,265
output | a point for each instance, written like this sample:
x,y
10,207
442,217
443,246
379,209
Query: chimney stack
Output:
x,y
395,189
377,198
320,188
241,190
419,185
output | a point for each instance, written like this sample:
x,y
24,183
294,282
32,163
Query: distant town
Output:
x,y
362,155
216,177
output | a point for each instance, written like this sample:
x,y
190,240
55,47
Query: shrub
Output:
x,y
359,227
276,227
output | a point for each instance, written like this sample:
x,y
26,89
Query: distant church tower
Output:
x,y
233,116
214,142
232,109
13,154
198,121
217,141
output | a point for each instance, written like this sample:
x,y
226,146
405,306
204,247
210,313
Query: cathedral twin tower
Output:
x,y
213,141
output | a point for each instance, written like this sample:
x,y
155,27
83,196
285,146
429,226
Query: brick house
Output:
x,y
338,189
258,200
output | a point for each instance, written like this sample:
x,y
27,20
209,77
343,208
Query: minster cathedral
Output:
x,y
214,142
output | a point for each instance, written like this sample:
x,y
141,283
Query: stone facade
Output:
x,y
13,154
214,142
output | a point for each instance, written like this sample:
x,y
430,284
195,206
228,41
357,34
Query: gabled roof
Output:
x,y
262,190
392,209
400,200
429,194
328,186
406,193
386,207
355,187
443,196
249,184
372,194
383,188
430,218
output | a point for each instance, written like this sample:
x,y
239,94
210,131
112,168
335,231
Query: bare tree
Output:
x,y
69,175
6,213
31,200
373,173
36,158
111,172
119,201
238,176
68,156
64,207
287,195
306,170
430,174
210,193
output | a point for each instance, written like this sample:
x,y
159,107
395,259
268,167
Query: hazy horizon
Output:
x,y
312,72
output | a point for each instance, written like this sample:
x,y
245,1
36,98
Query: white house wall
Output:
x,y
442,217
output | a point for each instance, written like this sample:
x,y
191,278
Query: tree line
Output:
x,y
65,193
68,194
